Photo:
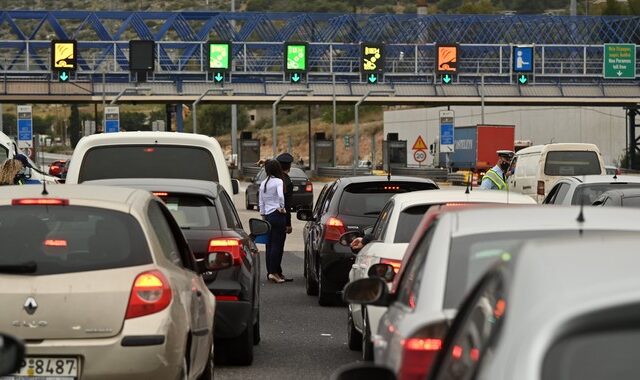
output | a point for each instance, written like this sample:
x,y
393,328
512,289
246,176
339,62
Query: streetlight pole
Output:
x,y
356,150
274,111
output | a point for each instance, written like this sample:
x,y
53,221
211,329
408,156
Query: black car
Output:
x,y
347,204
302,190
619,198
209,221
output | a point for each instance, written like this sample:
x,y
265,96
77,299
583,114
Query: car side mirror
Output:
x,y
219,261
366,291
359,371
235,186
258,227
348,237
383,271
305,215
11,354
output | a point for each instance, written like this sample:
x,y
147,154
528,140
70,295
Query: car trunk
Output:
x,y
77,305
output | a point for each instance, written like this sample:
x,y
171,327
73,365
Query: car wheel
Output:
x,y
240,350
248,205
324,298
367,344
207,374
353,336
256,330
310,284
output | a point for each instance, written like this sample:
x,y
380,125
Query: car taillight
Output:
x,y
309,187
224,297
394,263
333,229
540,187
231,245
150,294
160,193
419,351
40,202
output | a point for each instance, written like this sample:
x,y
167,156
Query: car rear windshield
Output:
x,y
566,163
407,222
631,202
588,193
191,210
40,240
472,255
297,173
148,161
368,199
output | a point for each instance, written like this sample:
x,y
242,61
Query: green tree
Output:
x,y
134,121
9,124
476,7
74,125
42,124
613,8
215,119
634,7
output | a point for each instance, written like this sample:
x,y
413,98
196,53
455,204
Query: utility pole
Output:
x,y
234,107
573,8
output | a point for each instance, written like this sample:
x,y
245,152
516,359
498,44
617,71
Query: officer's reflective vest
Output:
x,y
496,179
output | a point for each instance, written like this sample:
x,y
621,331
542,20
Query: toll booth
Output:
x,y
322,151
248,150
394,151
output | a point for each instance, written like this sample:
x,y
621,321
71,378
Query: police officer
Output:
x,y
496,177
285,160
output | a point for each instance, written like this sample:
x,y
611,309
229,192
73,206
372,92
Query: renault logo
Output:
x,y
30,305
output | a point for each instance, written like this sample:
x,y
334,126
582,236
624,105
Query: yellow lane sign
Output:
x,y
63,54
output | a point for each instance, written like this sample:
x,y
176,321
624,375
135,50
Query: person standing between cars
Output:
x,y
272,208
10,172
285,160
496,177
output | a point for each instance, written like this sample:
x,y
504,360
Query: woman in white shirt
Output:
x,y
271,203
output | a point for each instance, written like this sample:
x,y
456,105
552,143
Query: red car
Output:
x,y
56,168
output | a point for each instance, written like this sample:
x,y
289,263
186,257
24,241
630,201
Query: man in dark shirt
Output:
x,y
285,160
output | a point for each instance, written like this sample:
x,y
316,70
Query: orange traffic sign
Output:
x,y
419,144
447,62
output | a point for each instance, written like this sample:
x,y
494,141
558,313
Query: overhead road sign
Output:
x,y
447,78
523,59
371,61
447,59
64,55
25,127
447,141
619,61
141,55
296,57
219,59
523,79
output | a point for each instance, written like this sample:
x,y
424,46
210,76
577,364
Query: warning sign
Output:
x,y
63,54
447,61
419,144
420,156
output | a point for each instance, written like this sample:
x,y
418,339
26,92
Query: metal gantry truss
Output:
x,y
566,47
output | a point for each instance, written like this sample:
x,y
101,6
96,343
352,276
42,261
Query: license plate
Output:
x,y
47,369
296,188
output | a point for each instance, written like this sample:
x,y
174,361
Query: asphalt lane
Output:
x,y
300,339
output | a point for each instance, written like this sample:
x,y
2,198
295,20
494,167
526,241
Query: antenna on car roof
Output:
x,y
580,219
468,189
44,187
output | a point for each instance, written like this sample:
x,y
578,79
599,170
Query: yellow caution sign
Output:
x,y
63,54
419,144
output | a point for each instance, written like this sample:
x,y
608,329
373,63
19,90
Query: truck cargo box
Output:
x,y
476,146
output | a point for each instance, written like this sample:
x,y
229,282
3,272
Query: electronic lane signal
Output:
x,y
219,59
523,63
296,60
447,62
64,55
371,61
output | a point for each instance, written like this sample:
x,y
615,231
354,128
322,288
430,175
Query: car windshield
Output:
x,y
407,222
41,240
568,163
588,193
368,199
148,161
472,255
297,173
191,210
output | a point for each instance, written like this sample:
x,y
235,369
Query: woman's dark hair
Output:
x,y
273,169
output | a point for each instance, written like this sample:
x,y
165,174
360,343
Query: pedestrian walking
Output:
x,y
285,160
10,172
272,208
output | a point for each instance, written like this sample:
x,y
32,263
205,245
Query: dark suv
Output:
x,y
347,204
302,190
209,221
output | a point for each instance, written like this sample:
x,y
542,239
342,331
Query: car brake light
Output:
x,y
394,263
309,187
540,187
420,350
160,193
226,298
231,245
392,188
40,202
55,243
456,352
150,294
334,228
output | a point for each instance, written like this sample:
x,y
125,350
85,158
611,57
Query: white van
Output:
x,y
9,149
536,168
150,155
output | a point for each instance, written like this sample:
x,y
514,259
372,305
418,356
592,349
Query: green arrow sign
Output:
x,y
447,79
218,77
63,76
219,55
295,78
523,79
619,61
373,78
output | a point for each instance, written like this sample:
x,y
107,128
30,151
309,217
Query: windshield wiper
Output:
x,y
28,267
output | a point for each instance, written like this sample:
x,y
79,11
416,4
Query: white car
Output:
x,y
390,237
586,189
449,257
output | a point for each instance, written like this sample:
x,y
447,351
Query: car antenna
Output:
x,y
44,182
468,189
580,219
389,173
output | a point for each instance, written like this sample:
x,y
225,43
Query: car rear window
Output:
x,y
566,163
148,161
68,239
191,210
297,172
631,202
368,199
588,193
472,255
407,222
